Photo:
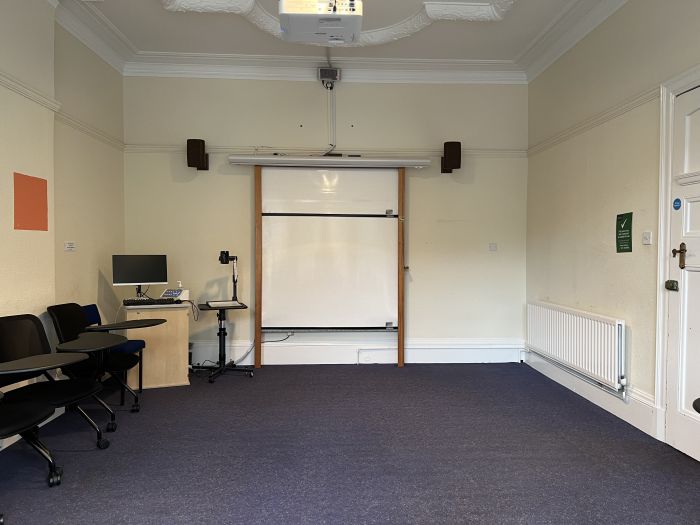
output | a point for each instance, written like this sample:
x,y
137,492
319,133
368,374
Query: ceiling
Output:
x,y
141,37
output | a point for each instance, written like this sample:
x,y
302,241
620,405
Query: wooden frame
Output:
x,y
401,269
258,266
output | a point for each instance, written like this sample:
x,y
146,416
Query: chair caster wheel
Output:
x,y
102,443
250,374
211,380
136,408
55,477
111,426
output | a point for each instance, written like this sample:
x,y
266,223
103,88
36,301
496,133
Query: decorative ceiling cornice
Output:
x,y
470,11
378,71
482,11
571,27
87,23
239,7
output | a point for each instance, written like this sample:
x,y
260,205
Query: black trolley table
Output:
x,y
222,366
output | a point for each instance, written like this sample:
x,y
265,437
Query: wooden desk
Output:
x,y
165,358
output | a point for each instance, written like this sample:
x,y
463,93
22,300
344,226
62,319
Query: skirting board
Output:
x,y
638,409
367,352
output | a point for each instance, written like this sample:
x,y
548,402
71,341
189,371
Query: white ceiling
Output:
x,y
141,37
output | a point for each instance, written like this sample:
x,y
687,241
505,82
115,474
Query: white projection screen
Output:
x,y
329,248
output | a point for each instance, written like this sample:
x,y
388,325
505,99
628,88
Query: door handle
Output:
x,y
681,255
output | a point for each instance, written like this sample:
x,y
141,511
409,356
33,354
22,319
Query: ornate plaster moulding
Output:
x,y
239,7
492,11
484,11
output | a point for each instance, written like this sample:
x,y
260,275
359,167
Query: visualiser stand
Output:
x,y
222,366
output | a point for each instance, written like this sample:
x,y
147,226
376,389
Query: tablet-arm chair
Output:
x,y
70,321
24,336
132,346
24,418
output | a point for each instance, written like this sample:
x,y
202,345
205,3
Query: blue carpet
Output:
x,y
357,444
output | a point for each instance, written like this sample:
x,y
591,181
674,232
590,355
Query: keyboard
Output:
x,y
145,301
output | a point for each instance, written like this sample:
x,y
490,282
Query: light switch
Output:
x,y
647,238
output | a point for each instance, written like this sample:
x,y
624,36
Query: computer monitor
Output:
x,y
136,270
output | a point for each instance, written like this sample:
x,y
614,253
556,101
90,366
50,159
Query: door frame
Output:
x,y
669,90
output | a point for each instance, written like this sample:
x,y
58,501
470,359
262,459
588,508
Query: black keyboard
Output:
x,y
145,301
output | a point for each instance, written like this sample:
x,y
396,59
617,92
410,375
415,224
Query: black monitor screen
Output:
x,y
139,269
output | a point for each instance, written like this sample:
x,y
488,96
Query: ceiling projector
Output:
x,y
333,22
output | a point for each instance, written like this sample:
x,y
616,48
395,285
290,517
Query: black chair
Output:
x,y
70,321
132,346
24,336
24,418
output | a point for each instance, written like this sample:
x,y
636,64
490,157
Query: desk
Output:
x,y
222,367
165,358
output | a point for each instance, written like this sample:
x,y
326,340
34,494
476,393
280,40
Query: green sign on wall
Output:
x,y
623,233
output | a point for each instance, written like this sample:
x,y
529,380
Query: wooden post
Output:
x,y
258,266
401,327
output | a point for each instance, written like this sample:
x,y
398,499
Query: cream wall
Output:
x,y
596,154
643,44
576,189
26,146
456,288
89,174
26,38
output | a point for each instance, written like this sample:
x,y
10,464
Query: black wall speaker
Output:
x,y
452,157
197,157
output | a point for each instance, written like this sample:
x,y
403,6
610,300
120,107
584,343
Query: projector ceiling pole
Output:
x,y
258,266
401,268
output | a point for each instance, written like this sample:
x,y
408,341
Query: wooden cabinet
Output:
x,y
165,358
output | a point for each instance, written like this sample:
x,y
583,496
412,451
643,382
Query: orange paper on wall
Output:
x,y
31,203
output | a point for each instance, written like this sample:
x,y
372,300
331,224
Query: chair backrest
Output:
x,y
92,314
69,320
21,336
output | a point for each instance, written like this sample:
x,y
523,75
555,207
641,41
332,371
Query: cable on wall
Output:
x,y
329,85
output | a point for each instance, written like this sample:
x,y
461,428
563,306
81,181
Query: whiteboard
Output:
x,y
329,247
329,272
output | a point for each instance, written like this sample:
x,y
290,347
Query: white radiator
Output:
x,y
590,345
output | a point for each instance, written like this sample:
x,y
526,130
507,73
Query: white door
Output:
x,y
683,366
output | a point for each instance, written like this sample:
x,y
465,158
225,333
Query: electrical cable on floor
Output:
x,y
241,359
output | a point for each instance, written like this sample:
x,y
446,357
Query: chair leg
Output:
x,y
136,406
55,472
101,442
140,372
112,425
122,381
